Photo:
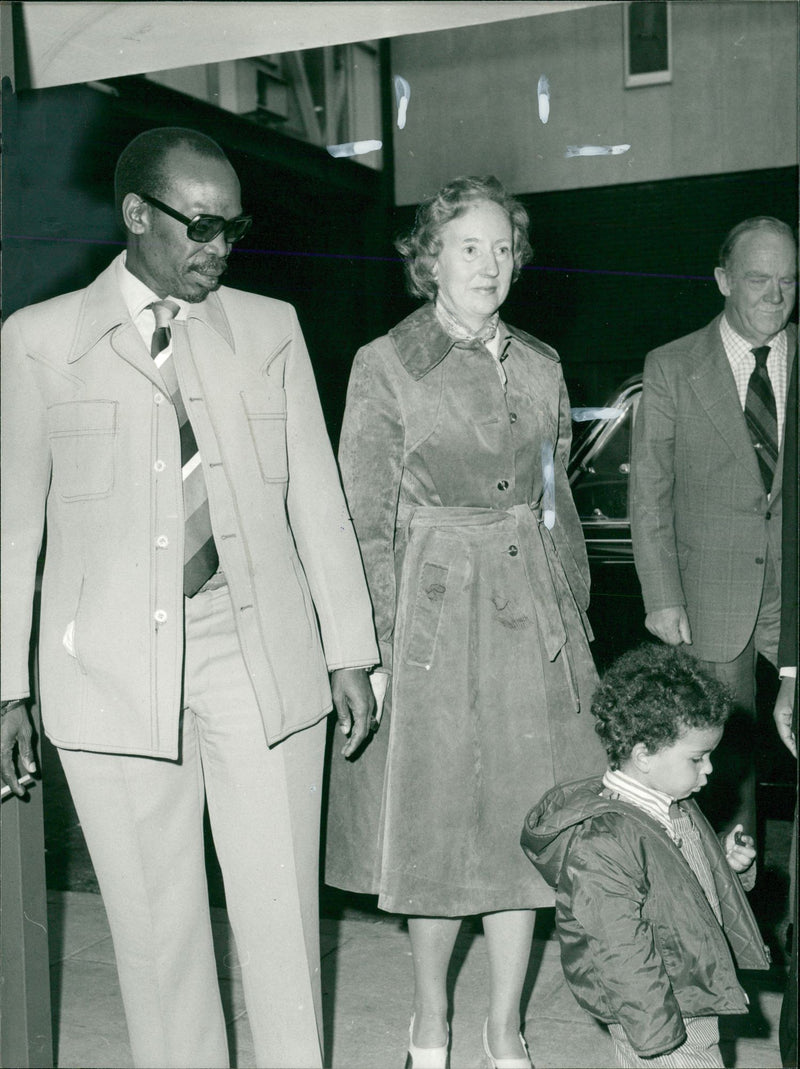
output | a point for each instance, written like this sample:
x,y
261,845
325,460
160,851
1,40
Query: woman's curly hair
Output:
x,y
421,247
654,695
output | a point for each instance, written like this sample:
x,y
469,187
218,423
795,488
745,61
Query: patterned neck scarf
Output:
x,y
456,329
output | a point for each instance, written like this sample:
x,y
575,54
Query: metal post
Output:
x,y
26,1031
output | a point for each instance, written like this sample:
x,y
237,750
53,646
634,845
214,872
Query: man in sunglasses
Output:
x,y
203,604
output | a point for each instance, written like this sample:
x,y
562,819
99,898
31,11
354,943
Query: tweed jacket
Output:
x,y
91,441
640,944
702,524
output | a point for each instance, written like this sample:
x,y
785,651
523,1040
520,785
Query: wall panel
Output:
x,y
731,105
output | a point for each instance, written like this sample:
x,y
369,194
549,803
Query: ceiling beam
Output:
x,y
58,43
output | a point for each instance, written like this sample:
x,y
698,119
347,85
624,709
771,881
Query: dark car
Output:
x,y
599,472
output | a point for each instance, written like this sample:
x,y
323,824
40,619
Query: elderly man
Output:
x,y
706,486
201,581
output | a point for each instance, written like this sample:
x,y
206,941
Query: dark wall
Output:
x,y
647,254
621,269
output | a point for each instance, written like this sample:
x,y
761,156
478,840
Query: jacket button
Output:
x,y
162,541
512,417
768,516
503,484
158,398
159,465
160,616
759,560
513,551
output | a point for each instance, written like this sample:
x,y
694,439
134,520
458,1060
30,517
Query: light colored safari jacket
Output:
x,y
91,437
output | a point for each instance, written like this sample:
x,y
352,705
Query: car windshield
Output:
x,y
601,467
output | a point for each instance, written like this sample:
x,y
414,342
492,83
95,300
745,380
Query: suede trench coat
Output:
x,y
90,438
480,613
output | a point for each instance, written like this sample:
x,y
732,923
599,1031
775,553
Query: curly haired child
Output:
x,y
651,914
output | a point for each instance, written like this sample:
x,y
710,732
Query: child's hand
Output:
x,y
740,850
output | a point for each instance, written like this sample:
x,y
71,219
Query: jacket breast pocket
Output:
x,y
265,411
82,439
426,615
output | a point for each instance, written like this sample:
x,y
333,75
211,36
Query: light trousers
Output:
x,y
143,822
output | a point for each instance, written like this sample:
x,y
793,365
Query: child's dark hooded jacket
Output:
x,y
640,944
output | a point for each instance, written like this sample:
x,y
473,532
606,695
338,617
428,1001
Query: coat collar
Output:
x,y
104,310
422,343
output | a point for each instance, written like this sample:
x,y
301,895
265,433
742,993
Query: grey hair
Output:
x,y
757,222
421,247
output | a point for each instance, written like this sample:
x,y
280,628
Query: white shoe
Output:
x,y
426,1057
506,1063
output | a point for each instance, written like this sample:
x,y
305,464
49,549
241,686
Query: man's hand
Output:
x,y
15,730
670,625
782,714
355,705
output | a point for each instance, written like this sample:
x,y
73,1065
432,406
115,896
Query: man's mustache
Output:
x,y
213,263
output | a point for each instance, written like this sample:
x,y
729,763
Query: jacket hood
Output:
x,y
550,824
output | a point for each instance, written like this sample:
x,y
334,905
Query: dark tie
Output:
x,y
761,416
200,559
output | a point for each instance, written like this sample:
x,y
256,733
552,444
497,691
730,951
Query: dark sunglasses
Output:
x,y
205,228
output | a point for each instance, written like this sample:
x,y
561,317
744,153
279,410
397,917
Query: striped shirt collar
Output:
x,y
655,803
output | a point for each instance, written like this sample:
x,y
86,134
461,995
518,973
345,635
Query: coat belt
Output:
x,y
543,567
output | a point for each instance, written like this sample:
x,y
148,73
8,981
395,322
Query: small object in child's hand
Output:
x,y
741,839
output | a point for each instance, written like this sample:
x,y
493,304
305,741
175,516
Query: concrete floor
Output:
x,y
367,977
367,987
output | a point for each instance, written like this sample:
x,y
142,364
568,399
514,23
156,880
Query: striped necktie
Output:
x,y
200,559
761,416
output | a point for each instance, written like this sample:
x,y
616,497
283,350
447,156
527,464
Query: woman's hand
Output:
x,y
379,681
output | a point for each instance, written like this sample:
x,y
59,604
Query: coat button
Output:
x,y
768,516
503,484
759,560
158,398
162,541
512,417
513,551
159,465
160,616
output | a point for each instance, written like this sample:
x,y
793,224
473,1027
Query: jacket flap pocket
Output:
x,y
82,444
265,411
262,403
82,417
